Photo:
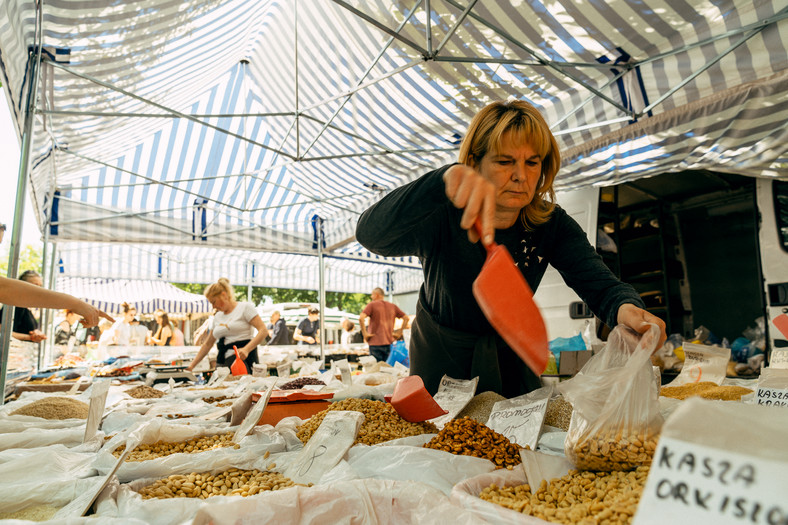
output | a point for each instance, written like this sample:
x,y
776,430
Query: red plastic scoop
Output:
x,y
508,303
412,401
238,368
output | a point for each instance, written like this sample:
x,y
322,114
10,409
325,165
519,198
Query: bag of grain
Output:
x,y
616,417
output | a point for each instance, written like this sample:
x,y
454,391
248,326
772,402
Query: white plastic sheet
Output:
x,y
369,501
45,464
21,495
263,439
41,437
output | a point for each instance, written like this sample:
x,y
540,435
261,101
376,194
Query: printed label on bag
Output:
x,y
703,363
692,483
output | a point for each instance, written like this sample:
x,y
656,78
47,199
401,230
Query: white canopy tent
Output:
x,y
269,126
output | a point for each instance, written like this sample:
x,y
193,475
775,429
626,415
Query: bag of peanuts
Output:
x,y
616,418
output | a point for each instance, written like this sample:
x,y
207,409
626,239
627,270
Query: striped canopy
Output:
x,y
215,130
109,295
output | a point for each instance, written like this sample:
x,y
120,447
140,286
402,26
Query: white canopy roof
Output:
x,y
233,124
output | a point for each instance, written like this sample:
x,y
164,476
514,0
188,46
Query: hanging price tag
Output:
x,y
283,371
326,447
98,401
344,371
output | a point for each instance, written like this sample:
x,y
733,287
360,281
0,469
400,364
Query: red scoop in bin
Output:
x,y
412,401
238,368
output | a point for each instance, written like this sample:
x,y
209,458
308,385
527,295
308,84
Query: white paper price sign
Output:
x,y
693,483
218,376
326,447
344,371
453,395
98,400
283,370
520,419
779,358
703,363
253,416
772,397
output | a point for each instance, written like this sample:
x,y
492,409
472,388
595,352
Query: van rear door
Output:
x,y
773,237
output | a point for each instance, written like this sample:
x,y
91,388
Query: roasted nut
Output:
x,y
231,482
468,437
162,448
613,451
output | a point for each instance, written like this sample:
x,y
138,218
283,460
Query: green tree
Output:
x,y
30,258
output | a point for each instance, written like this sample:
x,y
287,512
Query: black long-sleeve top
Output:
x,y
418,219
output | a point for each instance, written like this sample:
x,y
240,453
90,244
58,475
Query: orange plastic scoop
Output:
x,y
238,368
412,401
508,303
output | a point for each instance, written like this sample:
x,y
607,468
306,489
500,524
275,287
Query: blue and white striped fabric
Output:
x,y
146,296
290,109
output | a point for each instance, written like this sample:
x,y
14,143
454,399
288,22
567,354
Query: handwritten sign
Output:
x,y
218,376
283,370
326,447
253,416
703,363
98,401
520,419
779,358
344,371
772,396
694,483
453,395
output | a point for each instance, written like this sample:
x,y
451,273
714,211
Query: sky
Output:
x,y
9,174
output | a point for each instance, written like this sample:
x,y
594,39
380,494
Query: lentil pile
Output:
x,y
468,437
559,413
55,408
34,513
232,482
381,422
161,449
144,392
706,390
480,407
585,498
295,384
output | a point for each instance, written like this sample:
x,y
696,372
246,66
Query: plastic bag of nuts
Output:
x,y
616,418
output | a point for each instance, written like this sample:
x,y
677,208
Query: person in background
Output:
x,y
508,161
25,326
380,332
177,336
279,333
25,295
164,333
234,324
121,331
308,330
201,334
67,328
347,332
139,333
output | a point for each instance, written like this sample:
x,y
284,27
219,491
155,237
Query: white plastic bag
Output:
x,y
23,494
46,464
616,415
41,437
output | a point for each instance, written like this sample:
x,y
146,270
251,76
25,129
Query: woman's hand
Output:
x,y
639,319
467,189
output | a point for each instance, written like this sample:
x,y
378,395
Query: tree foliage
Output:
x,y
348,302
30,258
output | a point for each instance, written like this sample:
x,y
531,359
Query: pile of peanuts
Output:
x,y
579,497
232,482
381,422
613,450
468,437
161,449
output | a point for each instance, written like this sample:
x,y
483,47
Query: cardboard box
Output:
x,y
572,361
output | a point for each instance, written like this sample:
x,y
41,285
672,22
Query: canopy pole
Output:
x,y
50,341
322,292
34,64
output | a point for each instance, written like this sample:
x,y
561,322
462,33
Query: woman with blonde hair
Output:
x,y
508,162
234,324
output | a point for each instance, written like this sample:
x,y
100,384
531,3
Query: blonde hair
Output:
x,y
485,133
222,285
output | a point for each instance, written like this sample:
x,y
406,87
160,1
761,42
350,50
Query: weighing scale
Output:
x,y
163,374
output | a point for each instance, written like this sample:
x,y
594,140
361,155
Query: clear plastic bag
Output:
x,y
616,418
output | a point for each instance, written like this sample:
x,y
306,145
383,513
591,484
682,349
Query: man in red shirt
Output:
x,y
380,332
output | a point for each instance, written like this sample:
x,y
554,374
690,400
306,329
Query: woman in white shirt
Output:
x,y
233,325
121,330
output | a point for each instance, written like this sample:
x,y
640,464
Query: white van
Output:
x,y
702,248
